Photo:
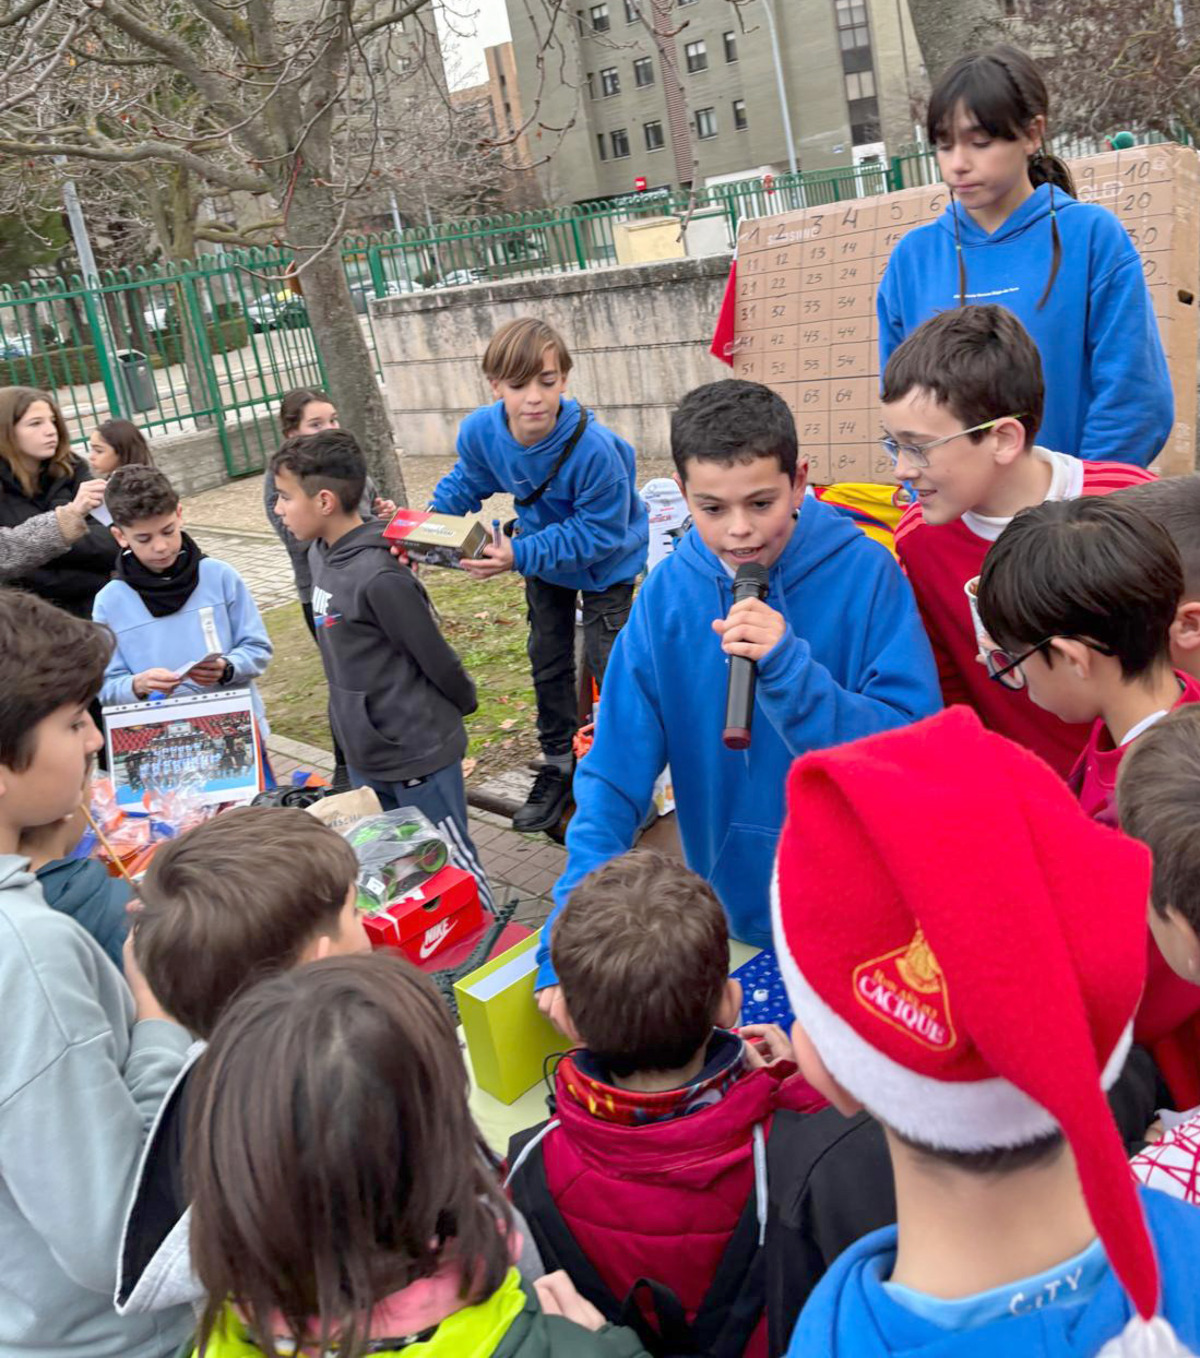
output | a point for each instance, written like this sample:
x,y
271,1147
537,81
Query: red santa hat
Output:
x,y
966,950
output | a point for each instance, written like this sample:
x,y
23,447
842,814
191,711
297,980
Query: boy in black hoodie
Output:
x,y
397,692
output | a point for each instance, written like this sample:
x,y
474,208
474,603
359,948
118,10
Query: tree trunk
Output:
x,y
180,247
339,337
949,29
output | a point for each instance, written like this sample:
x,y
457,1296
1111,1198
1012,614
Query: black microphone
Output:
x,y
750,582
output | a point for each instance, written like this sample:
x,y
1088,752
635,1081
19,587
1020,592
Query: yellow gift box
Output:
x,y
507,1037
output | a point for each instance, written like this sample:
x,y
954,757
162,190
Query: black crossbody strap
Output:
x,y
523,502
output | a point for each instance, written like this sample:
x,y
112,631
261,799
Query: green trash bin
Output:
x,y
137,380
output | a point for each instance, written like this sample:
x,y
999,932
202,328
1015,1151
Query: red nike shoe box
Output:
x,y
428,918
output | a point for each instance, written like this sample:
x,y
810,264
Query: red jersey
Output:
x,y
1168,1018
1094,778
939,560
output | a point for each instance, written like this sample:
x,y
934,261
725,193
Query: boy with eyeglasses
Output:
x,y
1080,599
962,402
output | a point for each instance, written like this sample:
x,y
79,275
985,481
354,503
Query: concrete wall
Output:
x,y
639,337
195,462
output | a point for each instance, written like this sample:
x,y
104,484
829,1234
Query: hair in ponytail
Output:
x,y
1004,92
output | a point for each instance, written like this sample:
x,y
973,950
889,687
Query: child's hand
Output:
x,y
89,496
494,561
766,1043
207,672
384,509
751,629
558,1297
1154,1133
550,1001
402,557
146,1006
155,681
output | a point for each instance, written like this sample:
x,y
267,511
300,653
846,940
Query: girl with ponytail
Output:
x,y
1013,233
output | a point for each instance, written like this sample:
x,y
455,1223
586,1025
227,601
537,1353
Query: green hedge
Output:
x,y
68,365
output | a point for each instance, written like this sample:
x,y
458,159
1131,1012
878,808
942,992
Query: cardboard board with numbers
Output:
x,y
805,314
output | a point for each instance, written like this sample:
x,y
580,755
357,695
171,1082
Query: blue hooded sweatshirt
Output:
x,y
145,642
851,1315
854,660
1108,390
588,531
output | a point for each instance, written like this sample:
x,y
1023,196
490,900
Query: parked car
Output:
x,y
363,290
16,346
276,311
458,278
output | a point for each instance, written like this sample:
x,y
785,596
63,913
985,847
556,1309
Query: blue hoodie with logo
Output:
x,y
850,1314
588,531
855,660
1108,390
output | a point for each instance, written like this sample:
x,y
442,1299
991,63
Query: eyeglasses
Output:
x,y
918,453
1006,669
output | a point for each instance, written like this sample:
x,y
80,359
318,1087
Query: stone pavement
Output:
x,y
259,558
526,866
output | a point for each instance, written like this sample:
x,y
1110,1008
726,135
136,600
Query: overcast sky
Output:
x,y
464,56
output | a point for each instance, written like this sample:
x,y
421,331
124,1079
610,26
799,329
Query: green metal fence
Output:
x,y
209,345
214,344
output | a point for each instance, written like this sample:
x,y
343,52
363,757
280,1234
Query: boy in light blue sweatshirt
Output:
x,y
839,645
581,530
183,622
86,1058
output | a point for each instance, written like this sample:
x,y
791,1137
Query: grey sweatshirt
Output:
x,y
397,691
80,1083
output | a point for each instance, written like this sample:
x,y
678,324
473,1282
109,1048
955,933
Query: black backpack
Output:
x,y
733,1305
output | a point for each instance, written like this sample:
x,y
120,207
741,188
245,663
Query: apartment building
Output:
x,y
679,91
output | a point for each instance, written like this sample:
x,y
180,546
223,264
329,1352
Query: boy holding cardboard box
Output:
x,y
397,691
581,530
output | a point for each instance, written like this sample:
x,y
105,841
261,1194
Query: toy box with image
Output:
x,y
436,539
429,918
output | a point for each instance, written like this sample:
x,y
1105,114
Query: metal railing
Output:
x,y
205,345
215,343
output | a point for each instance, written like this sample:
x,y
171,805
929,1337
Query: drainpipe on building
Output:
x,y
769,9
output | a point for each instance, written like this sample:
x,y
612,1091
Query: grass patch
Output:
x,y
485,623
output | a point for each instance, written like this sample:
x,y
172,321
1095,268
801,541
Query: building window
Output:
x,y
739,115
591,84
631,12
852,24
860,85
602,144
643,72
610,82
600,20
697,56
731,47
681,3
865,133
706,123
620,143
654,136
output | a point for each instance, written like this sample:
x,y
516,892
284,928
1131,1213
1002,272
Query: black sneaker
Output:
x,y
550,797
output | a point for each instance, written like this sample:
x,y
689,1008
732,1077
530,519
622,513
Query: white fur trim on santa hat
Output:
x,y
990,1114
1146,1339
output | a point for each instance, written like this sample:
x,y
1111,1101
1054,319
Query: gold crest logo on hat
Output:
x,y
906,988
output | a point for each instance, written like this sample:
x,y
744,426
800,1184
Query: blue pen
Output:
x,y
495,532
